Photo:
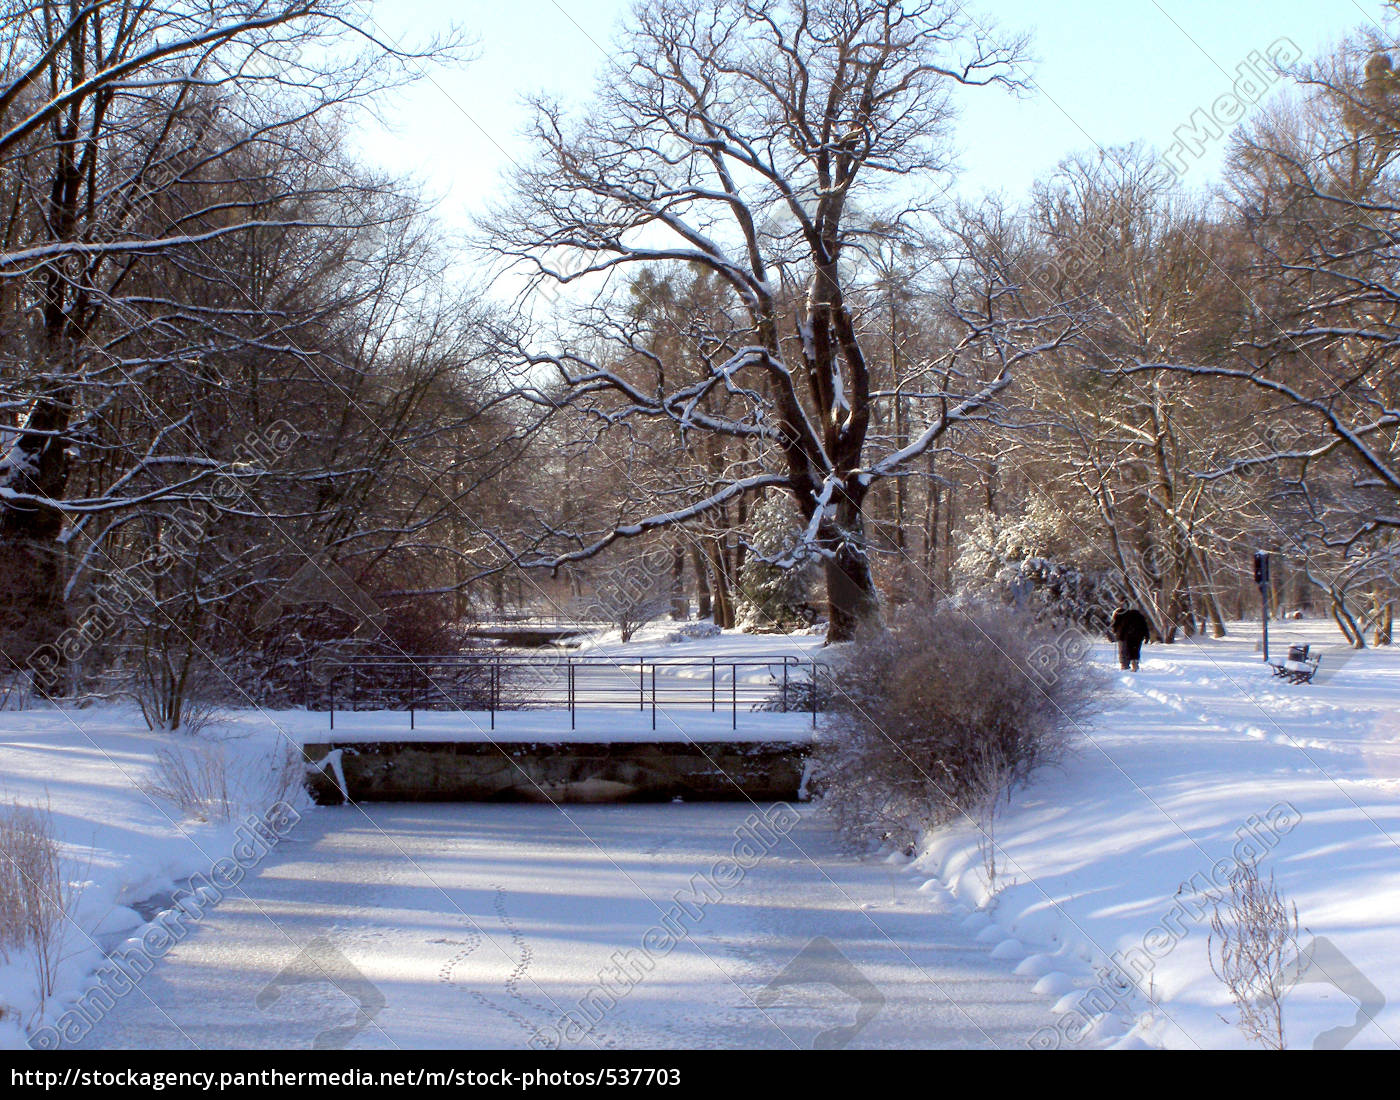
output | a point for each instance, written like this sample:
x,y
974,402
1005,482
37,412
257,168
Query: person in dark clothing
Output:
x,y
1130,629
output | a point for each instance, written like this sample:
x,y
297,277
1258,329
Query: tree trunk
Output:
x,y
932,517
850,586
1346,624
1214,612
719,586
1384,620
680,606
946,573
704,604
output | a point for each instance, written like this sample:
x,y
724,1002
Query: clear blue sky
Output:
x,y
1105,72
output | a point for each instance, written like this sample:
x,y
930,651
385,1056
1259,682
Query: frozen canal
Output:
x,y
582,926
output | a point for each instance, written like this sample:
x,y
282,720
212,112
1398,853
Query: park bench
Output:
x,y
1299,667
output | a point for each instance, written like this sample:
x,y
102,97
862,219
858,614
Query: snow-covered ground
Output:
x,y
583,927
474,924
123,844
664,639
1205,759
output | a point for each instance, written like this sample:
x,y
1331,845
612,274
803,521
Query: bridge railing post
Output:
x,y
734,696
653,695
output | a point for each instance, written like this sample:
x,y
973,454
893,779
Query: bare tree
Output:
x,y
1315,193
741,137
139,142
133,137
1153,273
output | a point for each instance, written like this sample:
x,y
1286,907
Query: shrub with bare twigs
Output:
x,y
200,777
16,689
940,713
995,783
35,896
174,685
1253,940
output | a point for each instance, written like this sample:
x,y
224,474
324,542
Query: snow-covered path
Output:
x,y
483,925
1204,760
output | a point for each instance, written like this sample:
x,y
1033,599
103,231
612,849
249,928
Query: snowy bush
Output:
x,y
35,898
630,592
200,778
940,712
770,598
195,778
296,652
174,686
805,691
690,632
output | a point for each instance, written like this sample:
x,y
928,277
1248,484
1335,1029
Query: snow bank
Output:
x,y
143,872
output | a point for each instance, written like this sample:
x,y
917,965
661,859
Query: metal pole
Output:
x,y
653,695
1261,578
814,693
642,685
734,696
572,692
713,674
785,675
495,687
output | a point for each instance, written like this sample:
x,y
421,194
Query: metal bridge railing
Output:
x,y
513,682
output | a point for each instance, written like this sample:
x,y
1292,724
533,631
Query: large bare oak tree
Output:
x,y
744,138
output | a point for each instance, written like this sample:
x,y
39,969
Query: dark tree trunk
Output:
x,y
37,462
850,586
719,586
680,606
702,584
850,595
